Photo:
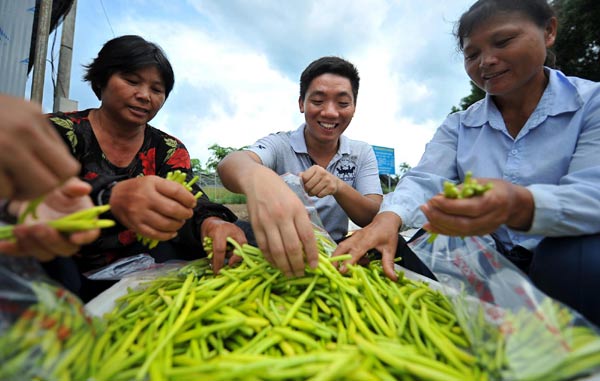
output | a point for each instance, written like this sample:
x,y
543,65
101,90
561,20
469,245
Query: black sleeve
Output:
x,y
189,234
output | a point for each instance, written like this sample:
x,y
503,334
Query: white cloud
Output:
x,y
237,65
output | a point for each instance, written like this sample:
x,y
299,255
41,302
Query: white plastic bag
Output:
x,y
517,331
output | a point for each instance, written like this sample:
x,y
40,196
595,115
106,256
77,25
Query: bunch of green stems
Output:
x,y
178,177
250,322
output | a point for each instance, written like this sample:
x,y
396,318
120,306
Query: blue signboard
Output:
x,y
385,160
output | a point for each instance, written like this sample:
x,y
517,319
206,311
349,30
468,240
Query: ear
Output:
x,y
550,32
301,105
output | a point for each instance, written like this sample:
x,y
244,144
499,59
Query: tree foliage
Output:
x,y
389,182
403,168
197,167
476,94
577,46
218,154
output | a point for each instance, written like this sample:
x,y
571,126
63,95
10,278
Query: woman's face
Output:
x,y
505,54
136,97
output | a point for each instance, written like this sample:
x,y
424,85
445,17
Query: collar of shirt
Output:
x,y
298,142
559,97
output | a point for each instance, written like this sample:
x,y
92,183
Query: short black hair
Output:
x,y
331,65
127,54
538,11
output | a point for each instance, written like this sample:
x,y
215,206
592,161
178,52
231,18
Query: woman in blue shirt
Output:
x,y
536,136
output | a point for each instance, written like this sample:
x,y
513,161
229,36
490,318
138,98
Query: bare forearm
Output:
x,y
235,170
360,209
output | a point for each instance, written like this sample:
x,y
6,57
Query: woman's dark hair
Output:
x,y
331,65
127,54
538,11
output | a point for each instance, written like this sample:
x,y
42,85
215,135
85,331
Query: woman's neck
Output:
x,y
120,144
517,107
105,124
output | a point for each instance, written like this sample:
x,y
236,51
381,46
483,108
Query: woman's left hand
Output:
x,y
35,238
218,230
504,203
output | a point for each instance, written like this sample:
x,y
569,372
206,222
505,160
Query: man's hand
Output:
x,y
281,224
152,206
34,238
319,182
33,158
218,231
381,234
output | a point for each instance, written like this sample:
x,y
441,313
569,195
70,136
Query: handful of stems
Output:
x,y
469,188
178,177
82,220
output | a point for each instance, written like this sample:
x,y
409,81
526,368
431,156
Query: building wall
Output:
x,y
16,21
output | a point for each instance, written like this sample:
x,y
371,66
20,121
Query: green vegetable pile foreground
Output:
x,y
253,323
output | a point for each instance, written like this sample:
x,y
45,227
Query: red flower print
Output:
x,y
148,161
90,175
127,237
180,159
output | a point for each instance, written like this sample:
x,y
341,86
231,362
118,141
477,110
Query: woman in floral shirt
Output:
x,y
126,161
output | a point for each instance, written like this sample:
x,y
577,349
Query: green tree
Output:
x,y
197,167
476,94
403,168
218,154
577,46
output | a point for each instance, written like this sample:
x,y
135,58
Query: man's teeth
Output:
x,y
328,125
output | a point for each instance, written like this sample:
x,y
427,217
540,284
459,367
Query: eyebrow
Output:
x,y
338,95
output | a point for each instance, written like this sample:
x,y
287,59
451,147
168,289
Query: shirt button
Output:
x,y
514,152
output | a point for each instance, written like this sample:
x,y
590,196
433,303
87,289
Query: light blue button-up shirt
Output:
x,y
556,156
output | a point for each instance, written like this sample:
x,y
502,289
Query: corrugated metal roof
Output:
x,y
16,21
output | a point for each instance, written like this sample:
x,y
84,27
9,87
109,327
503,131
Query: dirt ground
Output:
x,y
239,210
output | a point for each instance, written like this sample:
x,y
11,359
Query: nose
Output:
x,y
330,109
487,58
143,94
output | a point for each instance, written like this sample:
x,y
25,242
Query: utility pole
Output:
x,y
63,77
41,50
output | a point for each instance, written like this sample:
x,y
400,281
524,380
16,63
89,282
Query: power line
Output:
x,y
107,20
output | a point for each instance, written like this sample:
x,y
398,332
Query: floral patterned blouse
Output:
x,y
160,153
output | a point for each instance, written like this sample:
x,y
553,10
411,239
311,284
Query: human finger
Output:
x,y
175,191
84,237
219,253
307,237
43,242
156,226
263,244
276,248
293,249
7,188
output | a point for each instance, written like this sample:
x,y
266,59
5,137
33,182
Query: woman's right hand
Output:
x,y
152,206
381,234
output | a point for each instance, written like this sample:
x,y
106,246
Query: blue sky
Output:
x,y
237,64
